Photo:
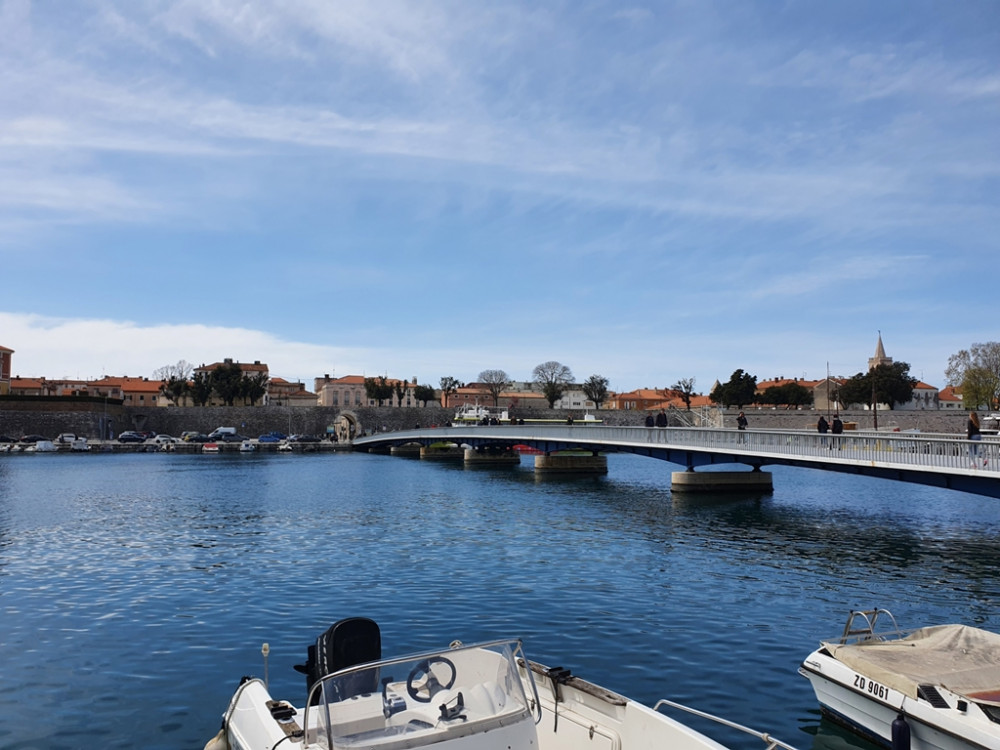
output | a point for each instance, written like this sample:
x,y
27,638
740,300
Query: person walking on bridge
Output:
x,y
837,428
822,426
973,434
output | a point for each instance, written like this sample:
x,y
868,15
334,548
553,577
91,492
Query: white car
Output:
x,y
165,440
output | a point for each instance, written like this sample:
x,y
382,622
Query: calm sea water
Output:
x,y
135,590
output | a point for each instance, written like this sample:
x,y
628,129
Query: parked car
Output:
x,y
65,437
7,439
271,437
147,435
219,432
304,439
131,436
165,440
227,437
198,437
31,438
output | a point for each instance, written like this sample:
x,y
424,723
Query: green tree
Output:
x,y
378,389
175,389
496,382
423,394
977,371
596,389
201,389
884,384
254,387
740,390
552,378
788,395
226,382
685,387
399,389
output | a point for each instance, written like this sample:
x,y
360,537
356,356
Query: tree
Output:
x,y
787,395
596,389
423,394
496,382
883,384
977,371
378,389
181,371
741,389
685,387
254,387
201,389
175,389
400,390
552,378
449,385
226,382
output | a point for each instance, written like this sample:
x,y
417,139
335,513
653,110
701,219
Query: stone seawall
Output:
x,y
50,418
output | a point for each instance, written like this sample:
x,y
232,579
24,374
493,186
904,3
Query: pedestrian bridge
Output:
x,y
947,461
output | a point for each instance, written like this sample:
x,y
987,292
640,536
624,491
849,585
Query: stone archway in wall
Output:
x,y
346,426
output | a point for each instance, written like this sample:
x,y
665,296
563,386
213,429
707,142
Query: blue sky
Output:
x,y
646,192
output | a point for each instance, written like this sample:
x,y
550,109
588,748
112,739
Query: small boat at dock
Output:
x,y
934,688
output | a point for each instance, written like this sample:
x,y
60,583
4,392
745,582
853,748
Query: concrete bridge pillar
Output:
x,y
721,481
410,450
557,464
487,457
442,452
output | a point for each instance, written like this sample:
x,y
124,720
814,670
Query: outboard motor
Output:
x,y
354,640
900,734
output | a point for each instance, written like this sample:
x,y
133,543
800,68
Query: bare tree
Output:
x,y
685,387
496,382
977,371
596,389
181,371
552,379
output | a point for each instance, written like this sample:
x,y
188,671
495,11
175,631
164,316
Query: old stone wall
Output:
x,y
85,417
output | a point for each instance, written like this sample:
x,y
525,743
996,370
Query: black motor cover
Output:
x,y
351,641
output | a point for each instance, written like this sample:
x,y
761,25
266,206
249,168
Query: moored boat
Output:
x,y
934,688
485,696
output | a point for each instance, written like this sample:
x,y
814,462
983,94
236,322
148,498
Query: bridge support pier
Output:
x,y
442,452
721,481
410,450
555,464
487,457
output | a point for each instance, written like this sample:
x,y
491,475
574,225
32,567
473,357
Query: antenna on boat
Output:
x,y
265,650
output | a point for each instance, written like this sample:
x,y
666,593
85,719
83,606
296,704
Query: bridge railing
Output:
x,y
912,449
918,450
948,452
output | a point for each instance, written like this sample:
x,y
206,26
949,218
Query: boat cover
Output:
x,y
963,659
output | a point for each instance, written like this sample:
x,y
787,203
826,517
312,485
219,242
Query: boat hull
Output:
x,y
869,708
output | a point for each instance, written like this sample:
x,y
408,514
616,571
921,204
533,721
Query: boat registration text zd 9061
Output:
x,y
871,687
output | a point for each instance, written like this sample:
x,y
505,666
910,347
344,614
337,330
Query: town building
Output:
x,y
5,358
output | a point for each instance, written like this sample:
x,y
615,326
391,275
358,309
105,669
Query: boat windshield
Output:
x,y
420,699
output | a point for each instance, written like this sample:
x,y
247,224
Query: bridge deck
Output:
x,y
940,460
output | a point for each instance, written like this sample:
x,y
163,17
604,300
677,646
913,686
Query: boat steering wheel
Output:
x,y
431,684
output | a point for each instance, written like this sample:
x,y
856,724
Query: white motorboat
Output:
x,y
935,688
485,696
248,446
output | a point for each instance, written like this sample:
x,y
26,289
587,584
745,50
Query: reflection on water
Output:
x,y
153,579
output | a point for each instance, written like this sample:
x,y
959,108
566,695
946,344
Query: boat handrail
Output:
x,y
867,631
767,739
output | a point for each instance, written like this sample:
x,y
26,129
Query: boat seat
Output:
x,y
346,643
